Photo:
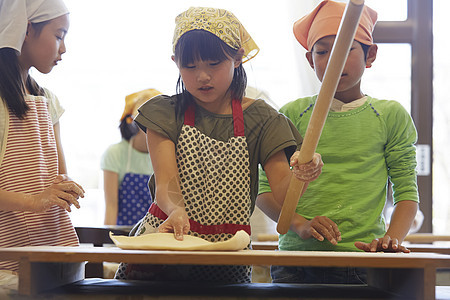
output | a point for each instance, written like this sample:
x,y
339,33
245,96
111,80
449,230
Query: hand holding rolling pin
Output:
x,y
309,171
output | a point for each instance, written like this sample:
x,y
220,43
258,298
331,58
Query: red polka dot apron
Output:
x,y
215,183
29,165
134,196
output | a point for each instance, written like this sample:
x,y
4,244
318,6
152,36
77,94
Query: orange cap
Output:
x,y
325,19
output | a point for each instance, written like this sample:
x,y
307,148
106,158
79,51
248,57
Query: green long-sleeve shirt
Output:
x,y
361,149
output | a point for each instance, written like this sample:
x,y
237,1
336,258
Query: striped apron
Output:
x,y
29,165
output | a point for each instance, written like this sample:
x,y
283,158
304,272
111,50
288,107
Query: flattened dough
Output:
x,y
167,241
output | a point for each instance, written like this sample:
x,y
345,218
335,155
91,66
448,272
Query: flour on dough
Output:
x,y
167,241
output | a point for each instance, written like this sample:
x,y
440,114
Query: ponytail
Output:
x,y
128,130
12,89
11,84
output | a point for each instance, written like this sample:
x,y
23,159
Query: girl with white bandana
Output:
x,y
206,143
35,193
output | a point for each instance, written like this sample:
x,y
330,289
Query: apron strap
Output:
x,y
129,155
189,115
238,117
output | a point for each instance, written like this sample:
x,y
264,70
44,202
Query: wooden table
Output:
x,y
414,238
265,245
411,275
418,238
429,248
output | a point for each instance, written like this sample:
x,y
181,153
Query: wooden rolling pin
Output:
x,y
339,53
418,238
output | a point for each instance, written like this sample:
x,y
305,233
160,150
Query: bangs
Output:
x,y
201,45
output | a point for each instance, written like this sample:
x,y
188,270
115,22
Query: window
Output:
x,y
390,10
441,120
385,82
127,49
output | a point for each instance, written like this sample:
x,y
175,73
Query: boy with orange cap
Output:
x,y
365,142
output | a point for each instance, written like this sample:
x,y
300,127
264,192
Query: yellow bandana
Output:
x,y
219,22
134,101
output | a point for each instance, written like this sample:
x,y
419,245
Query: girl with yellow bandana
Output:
x,y
206,143
127,168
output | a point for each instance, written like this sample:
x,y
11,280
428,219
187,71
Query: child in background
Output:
x,y
365,142
127,168
35,192
206,143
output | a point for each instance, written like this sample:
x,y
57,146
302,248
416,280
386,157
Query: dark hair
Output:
x,y
203,45
365,49
11,83
128,130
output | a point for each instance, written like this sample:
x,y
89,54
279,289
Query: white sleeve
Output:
x,y
54,107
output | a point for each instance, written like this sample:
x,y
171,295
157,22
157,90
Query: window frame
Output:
x,y
417,30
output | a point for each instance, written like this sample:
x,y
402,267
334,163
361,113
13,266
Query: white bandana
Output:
x,y
15,15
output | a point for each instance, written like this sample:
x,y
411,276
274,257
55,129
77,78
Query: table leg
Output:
x,y
36,277
408,283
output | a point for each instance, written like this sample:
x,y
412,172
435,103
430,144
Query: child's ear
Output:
x,y
371,55
238,57
174,60
310,59
29,29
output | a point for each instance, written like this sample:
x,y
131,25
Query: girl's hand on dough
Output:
x,y
177,222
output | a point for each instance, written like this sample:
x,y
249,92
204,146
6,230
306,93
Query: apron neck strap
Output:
x,y
130,148
189,115
238,117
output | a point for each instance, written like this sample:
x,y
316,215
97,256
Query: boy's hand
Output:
x,y
385,244
177,222
320,228
307,172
